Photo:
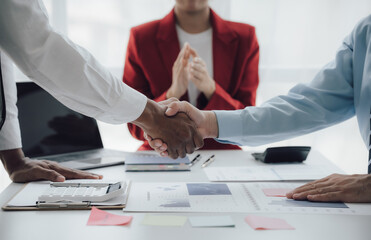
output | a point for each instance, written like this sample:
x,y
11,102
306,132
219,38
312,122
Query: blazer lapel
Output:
x,y
225,46
167,42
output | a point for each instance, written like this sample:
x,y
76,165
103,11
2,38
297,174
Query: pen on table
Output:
x,y
195,159
208,161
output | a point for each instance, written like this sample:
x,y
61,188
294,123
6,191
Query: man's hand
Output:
x,y
205,122
180,74
22,169
200,77
178,131
335,188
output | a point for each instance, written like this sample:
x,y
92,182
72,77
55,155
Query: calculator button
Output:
x,y
70,191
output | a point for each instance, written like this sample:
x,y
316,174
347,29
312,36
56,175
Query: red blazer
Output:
x,y
154,46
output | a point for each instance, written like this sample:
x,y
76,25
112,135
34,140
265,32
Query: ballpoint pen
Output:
x,y
208,161
196,159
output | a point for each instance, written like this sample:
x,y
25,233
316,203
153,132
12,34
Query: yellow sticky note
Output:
x,y
164,220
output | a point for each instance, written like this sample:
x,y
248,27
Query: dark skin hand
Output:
x,y
22,169
205,121
336,188
179,132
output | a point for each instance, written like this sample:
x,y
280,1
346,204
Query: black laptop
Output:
x,y
54,132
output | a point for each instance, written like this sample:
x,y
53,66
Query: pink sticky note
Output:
x,y
276,192
266,223
100,217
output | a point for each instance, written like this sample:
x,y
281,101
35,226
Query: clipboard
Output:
x,y
33,190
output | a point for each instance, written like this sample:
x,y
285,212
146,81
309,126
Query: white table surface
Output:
x,y
42,225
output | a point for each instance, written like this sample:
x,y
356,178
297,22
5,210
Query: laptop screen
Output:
x,y
48,127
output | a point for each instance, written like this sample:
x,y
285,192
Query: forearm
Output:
x,y
367,185
173,92
307,108
146,119
211,125
137,131
12,159
210,90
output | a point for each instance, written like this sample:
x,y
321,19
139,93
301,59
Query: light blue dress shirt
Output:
x,y
339,91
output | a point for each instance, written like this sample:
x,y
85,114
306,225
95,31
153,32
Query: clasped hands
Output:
x,y
185,71
178,132
203,122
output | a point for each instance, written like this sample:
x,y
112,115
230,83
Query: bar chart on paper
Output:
x,y
223,198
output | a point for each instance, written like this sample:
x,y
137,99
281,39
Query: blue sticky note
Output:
x,y
211,221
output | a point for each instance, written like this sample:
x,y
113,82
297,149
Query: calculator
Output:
x,y
82,192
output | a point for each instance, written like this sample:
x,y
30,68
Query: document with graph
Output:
x,y
228,197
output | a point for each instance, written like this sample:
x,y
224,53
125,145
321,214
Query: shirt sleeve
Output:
x,y
67,71
328,99
10,136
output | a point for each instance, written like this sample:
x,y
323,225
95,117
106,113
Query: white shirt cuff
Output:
x,y
10,135
128,108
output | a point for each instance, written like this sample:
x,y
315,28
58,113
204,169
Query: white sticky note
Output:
x,y
211,221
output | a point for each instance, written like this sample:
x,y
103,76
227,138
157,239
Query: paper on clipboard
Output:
x,y
27,197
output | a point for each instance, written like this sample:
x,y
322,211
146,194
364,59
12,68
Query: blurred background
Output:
x,y
296,37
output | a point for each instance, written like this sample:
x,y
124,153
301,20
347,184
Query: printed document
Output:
x,y
226,197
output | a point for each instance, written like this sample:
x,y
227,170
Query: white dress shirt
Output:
x,y
67,71
10,136
203,44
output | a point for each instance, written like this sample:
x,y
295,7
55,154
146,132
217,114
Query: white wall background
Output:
x,y
296,38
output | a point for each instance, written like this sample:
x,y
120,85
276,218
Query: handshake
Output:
x,y
175,128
